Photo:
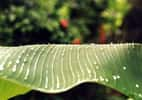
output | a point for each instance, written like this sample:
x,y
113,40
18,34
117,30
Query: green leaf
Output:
x,y
64,12
9,89
58,68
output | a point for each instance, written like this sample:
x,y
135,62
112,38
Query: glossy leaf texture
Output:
x,y
58,68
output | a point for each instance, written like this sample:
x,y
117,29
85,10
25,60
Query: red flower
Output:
x,y
64,23
76,41
102,35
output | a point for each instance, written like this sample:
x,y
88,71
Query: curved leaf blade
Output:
x,y
57,68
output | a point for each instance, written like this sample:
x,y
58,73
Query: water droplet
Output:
x,y
23,51
92,44
71,48
114,77
27,55
101,78
25,60
140,95
133,45
87,47
1,68
17,61
95,63
106,80
124,67
118,77
137,86
89,71
96,56
19,57
130,99
32,48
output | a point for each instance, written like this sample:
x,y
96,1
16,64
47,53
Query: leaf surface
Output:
x,y
58,68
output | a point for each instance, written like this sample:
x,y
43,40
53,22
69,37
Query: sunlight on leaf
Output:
x,y
58,68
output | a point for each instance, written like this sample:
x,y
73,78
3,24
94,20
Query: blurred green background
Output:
x,y
25,22
60,21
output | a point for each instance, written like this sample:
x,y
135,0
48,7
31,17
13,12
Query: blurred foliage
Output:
x,y
114,14
40,21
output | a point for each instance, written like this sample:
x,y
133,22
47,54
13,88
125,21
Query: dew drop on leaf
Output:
x,y
17,61
140,95
118,77
92,44
137,86
19,57
32,48
106,80
130,99
101,78
124,68
25,60
114,77
95,63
